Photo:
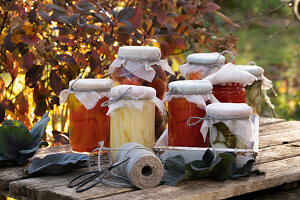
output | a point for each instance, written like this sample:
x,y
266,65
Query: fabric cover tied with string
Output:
x,y
202,64
264,83
236,116
87,91
138,61
187,98
132,115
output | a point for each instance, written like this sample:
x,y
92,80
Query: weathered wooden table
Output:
x,y
279,158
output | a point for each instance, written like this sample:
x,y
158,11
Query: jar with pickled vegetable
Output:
x,y
142,66
228,84
253,91
132,115
185,99
201,65
89,123
229,125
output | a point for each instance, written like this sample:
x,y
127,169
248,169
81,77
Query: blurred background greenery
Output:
x,y
269,35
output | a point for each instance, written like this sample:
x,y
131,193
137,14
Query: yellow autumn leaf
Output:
x,y
29,29
2,36
15,38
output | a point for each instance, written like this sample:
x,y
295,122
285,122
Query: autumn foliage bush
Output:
x,y
45,44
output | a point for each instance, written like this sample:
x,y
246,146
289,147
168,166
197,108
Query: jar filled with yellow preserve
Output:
x,y
89,123
201,65
132,115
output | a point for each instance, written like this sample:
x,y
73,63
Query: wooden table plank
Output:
x,y
267,120
266,129
277,173
283,137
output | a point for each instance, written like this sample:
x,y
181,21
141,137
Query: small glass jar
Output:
x,y
142,66
230,93
201,65
89,123
253,91
186,99
132,115
232,127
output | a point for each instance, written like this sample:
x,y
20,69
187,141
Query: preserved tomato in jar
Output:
x,y
89,123
142,66
187,99
201,65
230,93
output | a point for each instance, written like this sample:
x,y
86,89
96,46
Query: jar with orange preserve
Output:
x,y
186,99
201,65
89,123
228,84
142,66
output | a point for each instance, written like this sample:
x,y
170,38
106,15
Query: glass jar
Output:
x,y
142,66
89,123
230,93
228,84
232,127
253,91
201,65
187,99
132,115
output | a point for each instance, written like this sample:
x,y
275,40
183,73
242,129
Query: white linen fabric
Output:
x,y
194,91
138,61
87,91
206,63
231,74
133,96
236,116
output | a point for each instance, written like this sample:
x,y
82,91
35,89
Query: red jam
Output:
x,y
88,127
181,134
230,93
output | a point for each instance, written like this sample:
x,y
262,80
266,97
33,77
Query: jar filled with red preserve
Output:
x,y
228,84
201,65
142,66
89,123
186,99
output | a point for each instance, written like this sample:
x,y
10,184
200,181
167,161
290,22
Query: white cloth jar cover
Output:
x,y
258,72
138,61
231,74
207,63
87,91
194,91
129,95
236,116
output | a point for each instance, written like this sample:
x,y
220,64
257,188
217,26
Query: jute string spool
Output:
x,y
143,169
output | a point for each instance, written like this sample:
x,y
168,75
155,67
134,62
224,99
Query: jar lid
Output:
x,y
228,110
206,58
91,84
139,52
252,69
190,86
133,90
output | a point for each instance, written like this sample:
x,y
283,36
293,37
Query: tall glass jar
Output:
x,y
232,127
253,91
186,99
89,123
132,115
201,65
142,66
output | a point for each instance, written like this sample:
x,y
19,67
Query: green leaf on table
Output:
x,y
208,157
38,129
34,149
223,169
243,171
13,139
174,170
198,169
56,164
